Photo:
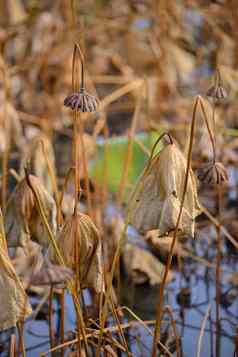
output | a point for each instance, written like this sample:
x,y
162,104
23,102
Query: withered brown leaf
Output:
x,y
23,221
80,245
156,199
142,266
14,305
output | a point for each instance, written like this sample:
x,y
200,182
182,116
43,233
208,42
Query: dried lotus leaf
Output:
x,y
156,199
169,217
142,266
161,246
80,245
146,203
28,259
23,221
14,305
37,229
18,213
34,154
50,274
172,166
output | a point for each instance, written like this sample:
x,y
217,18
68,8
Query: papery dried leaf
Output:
x,y
14,305
23,221
33,153
50,274
80,245
162,245
142,266
18,214
28,259
169,217
156,199
146,203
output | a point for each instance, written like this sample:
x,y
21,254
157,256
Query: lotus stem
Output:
x,y
50,318
169,261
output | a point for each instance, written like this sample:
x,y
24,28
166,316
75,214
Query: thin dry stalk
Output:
x,y
104,313
50,318
105,165
3,238
66,181
85,167
76,160
96,334
79,129
12,352
218,224
218,275
204,321
146,328
177,339
60,260
7,148
169,261
21,344
5,176
118,323
62,319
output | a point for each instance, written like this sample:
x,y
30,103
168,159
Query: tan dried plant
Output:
x,y
156,199
80,245
35,269
38,153
14,305
23,221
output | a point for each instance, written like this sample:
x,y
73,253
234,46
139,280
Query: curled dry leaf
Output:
x,y
50,274
142,266
33,153
162,245
80,245
14,305
23,221
156,199
26,260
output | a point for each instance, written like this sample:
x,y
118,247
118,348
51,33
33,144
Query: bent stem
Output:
x,y
21,344
85,167
62,320
59,257
78,124
173,323
122,238
50,317
218,275
169,261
